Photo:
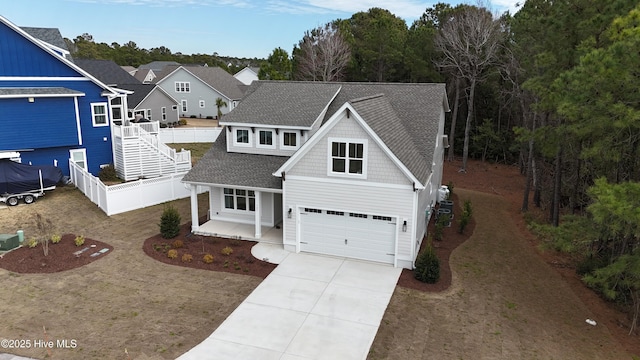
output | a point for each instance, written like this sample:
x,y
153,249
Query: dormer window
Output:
x,y
289,140
242,137
347,157
266,139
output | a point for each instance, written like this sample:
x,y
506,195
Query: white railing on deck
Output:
x,y
129,196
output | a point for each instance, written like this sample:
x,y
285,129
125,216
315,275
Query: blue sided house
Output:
x,y
50,109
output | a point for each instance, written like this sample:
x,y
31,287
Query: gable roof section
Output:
x,y
378,113
142,91
215,77
13,70
283,103
157,66
107,71
219,167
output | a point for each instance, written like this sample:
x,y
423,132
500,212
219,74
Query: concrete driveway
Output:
x,y
309,307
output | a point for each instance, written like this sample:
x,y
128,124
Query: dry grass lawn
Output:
x,y
505,301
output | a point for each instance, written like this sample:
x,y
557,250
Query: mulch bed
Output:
x,y
451,239
61,256
240,261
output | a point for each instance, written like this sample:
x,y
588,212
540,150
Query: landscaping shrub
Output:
x,y
207,258
182,122
55,238
79,240
108,173
226,251
187,257
33,242
178,244
450,186
427,265
172,254
465,217
170,222
441,222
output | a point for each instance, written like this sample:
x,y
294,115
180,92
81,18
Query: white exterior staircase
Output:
x,y
138,153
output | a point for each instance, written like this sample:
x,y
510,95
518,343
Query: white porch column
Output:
x,y
258,214
194,208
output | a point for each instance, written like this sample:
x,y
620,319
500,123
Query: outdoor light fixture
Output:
x,y
289,213
404,226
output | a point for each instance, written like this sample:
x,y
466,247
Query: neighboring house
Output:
x,y
51,109
247,75
344,169
146,100
198,87
129,69
147,73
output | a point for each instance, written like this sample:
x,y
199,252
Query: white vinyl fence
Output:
x,y
189,135
115,199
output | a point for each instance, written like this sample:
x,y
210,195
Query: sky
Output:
x,y
236,28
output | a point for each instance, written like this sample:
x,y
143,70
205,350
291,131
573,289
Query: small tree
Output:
x,y
465,217
220,104
427,265
170,222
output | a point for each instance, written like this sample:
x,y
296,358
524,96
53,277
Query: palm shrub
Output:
x,y
170,222
427,265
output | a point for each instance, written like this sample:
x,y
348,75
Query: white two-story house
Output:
x,y
343,169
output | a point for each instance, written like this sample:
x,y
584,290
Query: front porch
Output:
x,y
233,230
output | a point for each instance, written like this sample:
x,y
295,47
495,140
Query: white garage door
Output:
x,y
347,234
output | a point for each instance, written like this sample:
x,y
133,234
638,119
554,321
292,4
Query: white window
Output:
x,y
242,137
163,111
184,105
289,140
116,110
347,157
79,157
99,114
239,199
183,87
201,103
265,139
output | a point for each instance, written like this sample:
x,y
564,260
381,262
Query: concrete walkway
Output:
x,y
309,307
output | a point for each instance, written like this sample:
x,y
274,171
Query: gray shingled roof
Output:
x,y
157,66
378,113
283,103
38,91
106,71
404,116
418,106
140,91
48,35
218,166
215,77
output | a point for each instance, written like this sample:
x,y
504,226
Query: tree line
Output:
x,y
552,88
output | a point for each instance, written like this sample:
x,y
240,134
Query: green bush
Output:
x,y
450,186
438,230
108,173
170,222
182,122
427,266
465,217
79,240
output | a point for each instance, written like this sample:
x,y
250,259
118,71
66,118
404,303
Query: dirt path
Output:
x,y
124,301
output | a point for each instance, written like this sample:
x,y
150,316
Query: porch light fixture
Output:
x,y
289,213
31,100
404,226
